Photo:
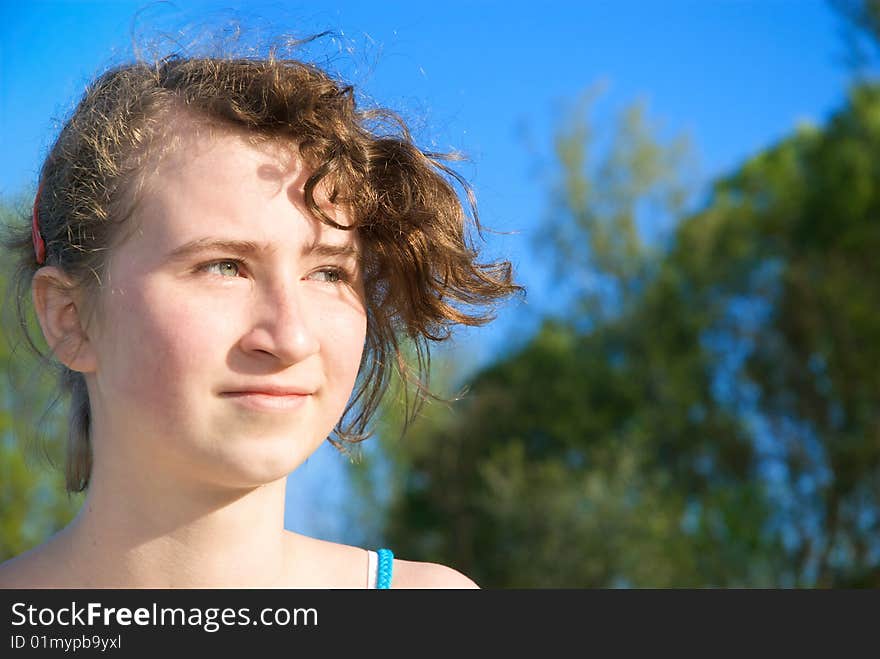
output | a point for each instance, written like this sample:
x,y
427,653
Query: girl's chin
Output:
x,y
263,467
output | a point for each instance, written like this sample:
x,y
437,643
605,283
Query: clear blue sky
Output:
x,y
736,75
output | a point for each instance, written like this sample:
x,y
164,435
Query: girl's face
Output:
x,y
231,326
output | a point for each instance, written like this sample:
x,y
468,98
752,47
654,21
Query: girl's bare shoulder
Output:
x,y
11,573
413,574
345,566
32,569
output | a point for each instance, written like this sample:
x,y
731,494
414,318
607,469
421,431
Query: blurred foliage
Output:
x,y
706,414
33,505
860,31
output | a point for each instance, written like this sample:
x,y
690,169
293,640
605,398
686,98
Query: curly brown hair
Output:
x,y
412,211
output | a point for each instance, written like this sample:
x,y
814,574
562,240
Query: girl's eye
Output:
x,y
223,268
334,275
232,268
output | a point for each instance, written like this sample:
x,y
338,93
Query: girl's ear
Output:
x,y
58,311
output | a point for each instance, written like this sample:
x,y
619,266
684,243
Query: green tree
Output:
x,y
575,461
706,414
860,21
806,214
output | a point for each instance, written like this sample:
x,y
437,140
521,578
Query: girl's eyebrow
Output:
x,y
348,251
250,248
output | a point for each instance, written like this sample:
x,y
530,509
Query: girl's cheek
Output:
x,y
349,346
159,339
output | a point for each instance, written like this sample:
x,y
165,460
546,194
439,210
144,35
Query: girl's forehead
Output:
x,y
219,153
223,184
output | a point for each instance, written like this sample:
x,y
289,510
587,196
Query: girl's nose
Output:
x,y
282,327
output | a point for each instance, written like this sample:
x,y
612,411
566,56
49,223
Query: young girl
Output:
x,y
223,256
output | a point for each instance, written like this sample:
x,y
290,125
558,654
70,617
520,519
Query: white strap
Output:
x,y
372,568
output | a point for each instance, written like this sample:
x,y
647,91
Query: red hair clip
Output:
x,y
39,243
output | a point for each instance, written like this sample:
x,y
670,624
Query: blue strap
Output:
x,y
386,565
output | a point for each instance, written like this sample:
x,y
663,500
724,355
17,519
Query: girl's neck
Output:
x,y
171,534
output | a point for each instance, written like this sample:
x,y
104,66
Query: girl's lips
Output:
x,y
263,401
